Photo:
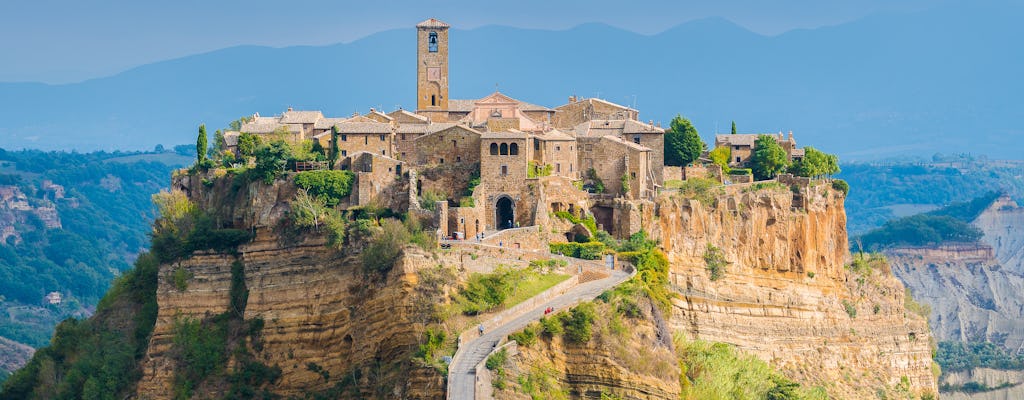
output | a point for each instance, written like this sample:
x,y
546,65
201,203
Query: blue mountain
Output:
x,y
943,80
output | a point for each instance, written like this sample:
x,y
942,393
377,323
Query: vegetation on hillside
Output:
x,y
683,144
881,191
960,356
947,224
103,231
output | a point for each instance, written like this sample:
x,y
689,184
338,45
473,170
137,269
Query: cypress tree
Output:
x,y
201,144
733,127
334,146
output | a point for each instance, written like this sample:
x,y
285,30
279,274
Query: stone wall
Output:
x,y
452,145
561,155
352,143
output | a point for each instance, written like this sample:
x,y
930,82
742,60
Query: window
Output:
x,y
735,147
636,139
432,42
588,147
344,153
632,175
433,100
504,170
504,149
494,149
442,160
383,152
558,167
737,159
344,137
558,148
513,149
570,167
570,148
382,138
458,159
454,145
366,139
403,155
403,136
536,144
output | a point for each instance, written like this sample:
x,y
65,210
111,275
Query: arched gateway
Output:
x,y
504,211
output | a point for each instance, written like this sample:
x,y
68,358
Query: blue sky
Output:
x,y
72,40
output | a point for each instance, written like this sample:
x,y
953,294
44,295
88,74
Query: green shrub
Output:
x,y
551,326
485,292
432,345
496,360
740,171
586,251
181,276
579,323
526,337
714,260
328,186
841,186
851,309
271,160
385,247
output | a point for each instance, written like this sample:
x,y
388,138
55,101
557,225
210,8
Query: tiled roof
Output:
x,y
555,135
424,128
450,126
510,134
231,138
301,117
596,100
797,153
396,113
603,127
736,140
631,145
460,105
327,123
262,127
363,127
379,114
432,23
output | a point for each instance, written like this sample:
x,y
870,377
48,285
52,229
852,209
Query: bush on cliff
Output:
x,y
328,186
919,230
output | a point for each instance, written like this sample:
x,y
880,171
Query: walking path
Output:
x,y
462,371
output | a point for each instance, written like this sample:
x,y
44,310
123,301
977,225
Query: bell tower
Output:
x,y
432,69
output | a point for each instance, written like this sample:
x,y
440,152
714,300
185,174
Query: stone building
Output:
x,y
742,147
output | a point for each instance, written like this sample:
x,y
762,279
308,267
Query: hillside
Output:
x,y
901,188
973,289
70,223
256,305
886,84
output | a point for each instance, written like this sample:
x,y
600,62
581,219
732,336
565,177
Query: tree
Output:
x,y
333,157
815,163
721,156
733,127
159,149
682,143
201,144
248,143
769,158
271,160
219,144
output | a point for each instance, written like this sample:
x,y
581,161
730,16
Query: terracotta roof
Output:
x,y
425,128
327,123
603,127
231,138
631,145
797,153
510,134
555,135
396,113
363,127
267,127
736,140
301,117
594,99
451,126
432,23
460,105
379,114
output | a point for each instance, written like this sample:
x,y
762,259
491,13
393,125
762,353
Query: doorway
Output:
x,y
505,213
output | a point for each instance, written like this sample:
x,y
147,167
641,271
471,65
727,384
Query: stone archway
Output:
x,y
504,213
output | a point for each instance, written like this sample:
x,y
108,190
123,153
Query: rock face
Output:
x,y
786,296
974,289
317,305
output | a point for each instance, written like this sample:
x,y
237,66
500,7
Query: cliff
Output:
x,y
329,326
787,296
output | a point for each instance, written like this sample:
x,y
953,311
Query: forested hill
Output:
x,y
70,222
880,192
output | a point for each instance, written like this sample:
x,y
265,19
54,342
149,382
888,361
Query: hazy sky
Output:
x,y
65,41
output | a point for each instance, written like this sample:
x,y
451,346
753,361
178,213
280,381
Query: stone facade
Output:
x,y
457,144
742,147
432,69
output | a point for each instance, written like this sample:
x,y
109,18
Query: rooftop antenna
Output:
x,y
634,102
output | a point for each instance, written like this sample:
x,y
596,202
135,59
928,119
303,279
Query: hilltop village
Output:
x,y
498,162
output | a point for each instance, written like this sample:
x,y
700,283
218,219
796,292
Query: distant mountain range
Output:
x,y
943,80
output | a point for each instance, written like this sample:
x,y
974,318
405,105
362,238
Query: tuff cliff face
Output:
x,y
786,297
324,320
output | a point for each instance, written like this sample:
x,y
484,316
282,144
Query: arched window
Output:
x,y
432,42
513,149
494,149
504,149
433,100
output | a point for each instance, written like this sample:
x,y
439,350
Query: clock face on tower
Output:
x,y
433,73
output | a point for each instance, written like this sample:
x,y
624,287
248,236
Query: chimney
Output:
x,y
289,108
572,99
372,110
790,136
356,114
